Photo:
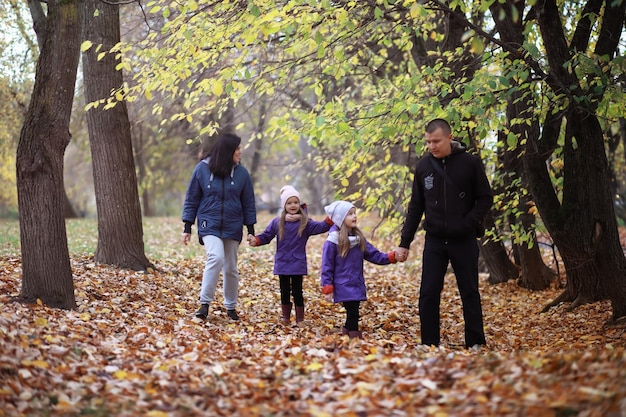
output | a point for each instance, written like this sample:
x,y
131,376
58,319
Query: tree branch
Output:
x,y
534,65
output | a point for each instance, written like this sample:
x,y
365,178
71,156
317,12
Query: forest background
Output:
x,y
331,97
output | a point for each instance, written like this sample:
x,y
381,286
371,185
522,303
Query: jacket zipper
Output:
x,y
223,203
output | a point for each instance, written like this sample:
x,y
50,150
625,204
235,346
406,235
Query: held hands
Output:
x,y
186,238
251,240
402,254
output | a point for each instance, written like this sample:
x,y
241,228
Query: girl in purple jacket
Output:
x,y
342,263
293,229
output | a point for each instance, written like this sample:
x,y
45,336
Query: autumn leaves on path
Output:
x,y
133,347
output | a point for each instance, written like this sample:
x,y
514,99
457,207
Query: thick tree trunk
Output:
x,y
120,229
47,274
588,239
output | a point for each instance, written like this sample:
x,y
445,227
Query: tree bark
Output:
x,y
588,240
47,273
501,268
120,229
535,275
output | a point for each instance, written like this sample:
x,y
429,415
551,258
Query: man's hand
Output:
x,y
186,238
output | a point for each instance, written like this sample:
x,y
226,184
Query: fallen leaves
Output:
x,y
133,347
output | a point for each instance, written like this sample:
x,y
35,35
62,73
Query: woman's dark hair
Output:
x,y
221,162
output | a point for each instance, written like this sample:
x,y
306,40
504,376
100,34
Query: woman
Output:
x,y
221,197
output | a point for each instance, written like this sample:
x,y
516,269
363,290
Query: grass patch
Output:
x,y
162,237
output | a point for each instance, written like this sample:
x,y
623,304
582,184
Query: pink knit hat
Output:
x,y
285,193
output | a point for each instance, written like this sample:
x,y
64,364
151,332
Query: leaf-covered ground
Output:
x,y
133,347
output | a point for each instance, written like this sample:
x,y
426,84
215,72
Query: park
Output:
x,y
133,346
107,107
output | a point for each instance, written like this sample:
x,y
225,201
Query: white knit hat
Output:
x,y
287,192
337,211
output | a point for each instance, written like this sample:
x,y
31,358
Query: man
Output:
x,y
453,210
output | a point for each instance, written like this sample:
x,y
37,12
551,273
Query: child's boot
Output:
x,y
300,316
355,334
344,331
286,317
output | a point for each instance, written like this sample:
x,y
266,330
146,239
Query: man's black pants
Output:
x,y
463,256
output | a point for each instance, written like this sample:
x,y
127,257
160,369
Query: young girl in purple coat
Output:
x,y
293,229
342,263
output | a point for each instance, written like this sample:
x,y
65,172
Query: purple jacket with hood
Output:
x,y
290,257
346,274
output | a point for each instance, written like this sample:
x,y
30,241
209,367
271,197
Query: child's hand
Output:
x,y
402,254
292,217
251,240
328,291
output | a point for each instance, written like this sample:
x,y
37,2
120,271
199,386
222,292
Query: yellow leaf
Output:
x,y
148,94
217,88
156,413
345,182
315,366
36,363
86,45
41,321
120,374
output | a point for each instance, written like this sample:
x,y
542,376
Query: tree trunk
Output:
x,y
46,269
495,255
68,209
588,240
143,179
535,275
258,139
120,229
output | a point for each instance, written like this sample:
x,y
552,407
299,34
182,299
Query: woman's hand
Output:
x,y
186,238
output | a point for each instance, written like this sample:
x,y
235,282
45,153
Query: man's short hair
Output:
x,y
438,124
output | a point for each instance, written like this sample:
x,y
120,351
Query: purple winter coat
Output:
x,y
346,274
290,257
